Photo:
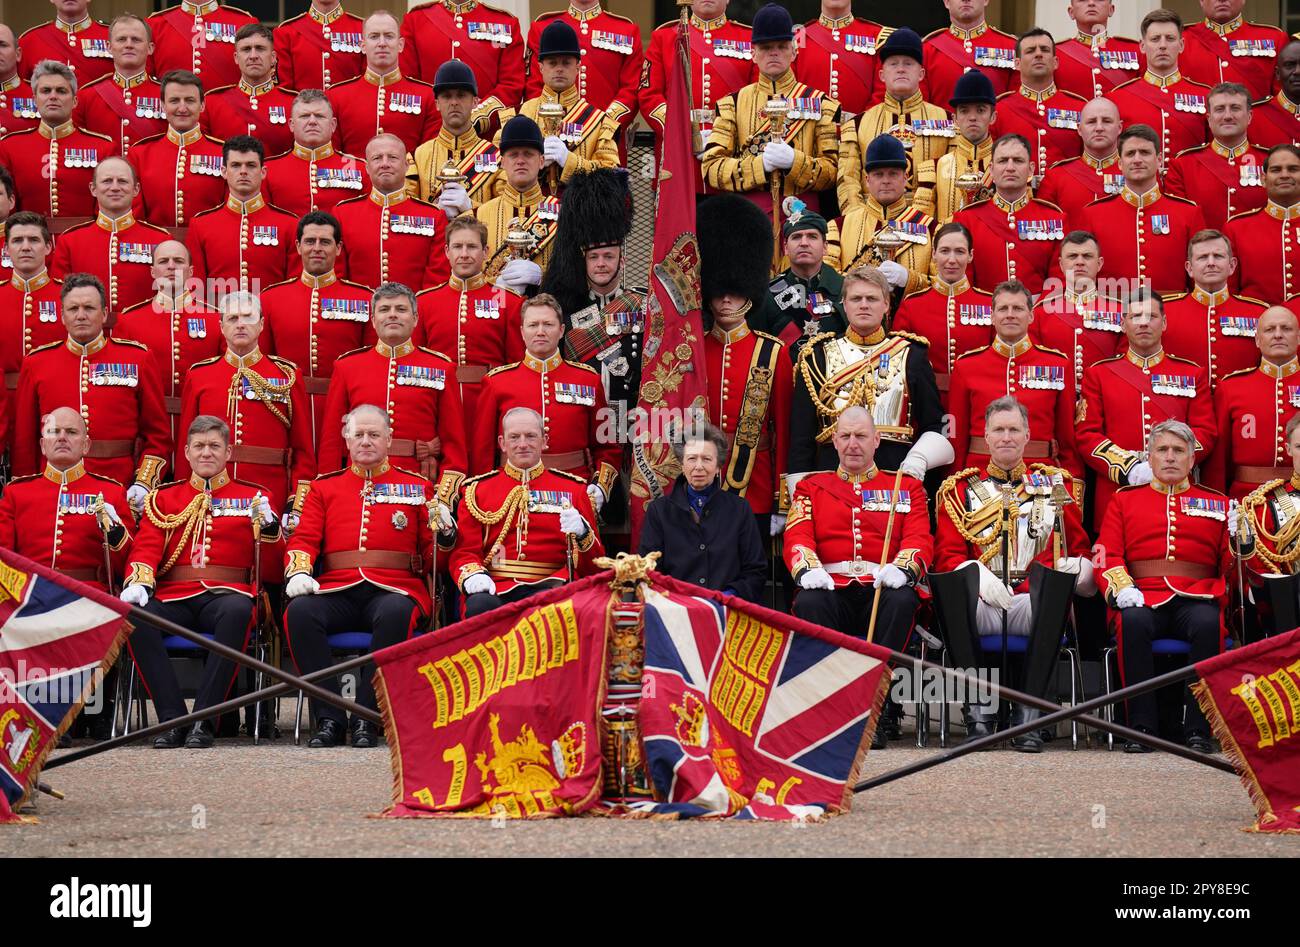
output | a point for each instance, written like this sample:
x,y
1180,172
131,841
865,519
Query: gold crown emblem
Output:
x,y
692,726
679,273
569,752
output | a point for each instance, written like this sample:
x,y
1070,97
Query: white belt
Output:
x,y
856,567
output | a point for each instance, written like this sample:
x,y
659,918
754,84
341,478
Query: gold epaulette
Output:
x,y
332,473
950,483
116,483
410,473
477,477
430,351
919,339
46,347
585,368
1048,204
131,342
1044,348
565,473
1181,200
502,368
364,348
1173,297
767,335
1251,299
432,288
283,362
982,348
1050,470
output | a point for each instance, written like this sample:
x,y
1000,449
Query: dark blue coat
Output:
x,y
720,549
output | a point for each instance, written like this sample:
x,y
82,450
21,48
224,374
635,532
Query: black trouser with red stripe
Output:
x,y
1193,620
848,610
227,616
388,616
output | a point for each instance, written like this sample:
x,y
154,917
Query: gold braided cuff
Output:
x,y
801,560
908,561
300,497
449,485
140,574
150,472
1118,460
1117,580
616,109
300,563
584,542
659,113
467,570
605,477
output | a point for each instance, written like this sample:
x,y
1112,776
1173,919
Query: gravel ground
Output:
x,y
281,800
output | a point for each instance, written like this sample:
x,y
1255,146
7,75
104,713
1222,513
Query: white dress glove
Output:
x,y
778,524
1082,567
517,274
557,153
135,496
890,576
895,272
1139,474
442,517
301,584
264,508
1130,597
572,523
914,466
454,200
597,496
289,521
480,582
111,512
817,578
135,595
992,591
777,156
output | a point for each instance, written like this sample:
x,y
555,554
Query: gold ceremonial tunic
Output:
x,y
535,210
478,160
733,157
586,131
924,129
853,242
963,158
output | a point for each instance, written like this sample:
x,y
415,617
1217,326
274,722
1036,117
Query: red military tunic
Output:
x,y
219,513
371,104
1266,243
1173,105
180,176
30,317
316,50
479,322
416,386
525,546
952,51
17,106
732,361
306,179
249,241
571,401
838,522
393,238
199,37
1048,119
1123,398
1143,237
1275,121
722,64
51,518
262,399
119,252
125,110
179,333
954,319
241,109
313,321
1041,379
1221,181
840,56
609,70
356,510
82,45
486,39
1087,327
975,491
1156,523
1076,182
114,385
72,153
1252,408
1013,241
1236,51
1092,65
1214,330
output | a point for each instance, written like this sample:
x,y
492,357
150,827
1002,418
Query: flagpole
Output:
x,y
216,710
1055,714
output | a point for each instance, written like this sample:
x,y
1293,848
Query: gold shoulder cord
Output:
x,y
515,506
962,520
264,391
862,392
187,518
1286,536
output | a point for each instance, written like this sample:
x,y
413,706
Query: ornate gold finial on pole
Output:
x,y
629,568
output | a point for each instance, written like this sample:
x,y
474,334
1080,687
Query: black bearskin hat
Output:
x,y
735,248
595,211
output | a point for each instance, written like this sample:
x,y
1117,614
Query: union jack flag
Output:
x,y
57,636
749,713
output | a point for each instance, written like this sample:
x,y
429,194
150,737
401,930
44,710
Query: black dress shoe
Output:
x,y
202,736
1200,743
100,727
1031,742
171,740
880,739
1133,746
329,732
364,733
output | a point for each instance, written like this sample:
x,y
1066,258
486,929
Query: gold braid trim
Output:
x,y
862,392
264,390
962,520
515,505
1286,536
187,518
